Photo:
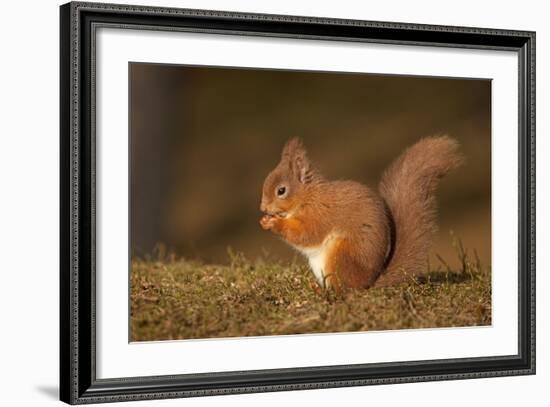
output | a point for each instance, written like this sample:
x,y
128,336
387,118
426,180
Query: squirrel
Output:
x,y
353,236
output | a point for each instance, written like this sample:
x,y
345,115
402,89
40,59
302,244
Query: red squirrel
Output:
x,y
353,236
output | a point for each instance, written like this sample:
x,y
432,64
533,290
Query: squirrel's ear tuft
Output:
x,y
292,146
295,154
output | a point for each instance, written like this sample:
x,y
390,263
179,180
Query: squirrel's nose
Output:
x,y
263,207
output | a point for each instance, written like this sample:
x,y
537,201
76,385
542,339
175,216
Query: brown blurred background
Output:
x,y
203,140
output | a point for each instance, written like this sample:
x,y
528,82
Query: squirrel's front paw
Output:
x,y
267,222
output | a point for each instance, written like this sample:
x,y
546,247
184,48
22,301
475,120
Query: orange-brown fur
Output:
x,y
368,238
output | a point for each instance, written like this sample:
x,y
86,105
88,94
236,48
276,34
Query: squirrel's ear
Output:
x,y
295,154
302,168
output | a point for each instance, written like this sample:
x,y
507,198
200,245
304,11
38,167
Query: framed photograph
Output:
x,y
255,203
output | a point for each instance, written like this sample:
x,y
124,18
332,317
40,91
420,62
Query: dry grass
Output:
x,y
178,299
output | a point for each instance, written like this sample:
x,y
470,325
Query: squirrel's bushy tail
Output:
x,y
408,187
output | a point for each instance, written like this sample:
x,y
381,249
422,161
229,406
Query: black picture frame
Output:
x,y
78,382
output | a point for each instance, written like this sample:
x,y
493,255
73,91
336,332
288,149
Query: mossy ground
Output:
x,y
179,299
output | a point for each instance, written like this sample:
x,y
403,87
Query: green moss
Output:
x,y
179,299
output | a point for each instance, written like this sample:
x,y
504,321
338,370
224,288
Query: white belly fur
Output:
x,y
317,258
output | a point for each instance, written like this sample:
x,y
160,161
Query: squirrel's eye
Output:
x,y
281,191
